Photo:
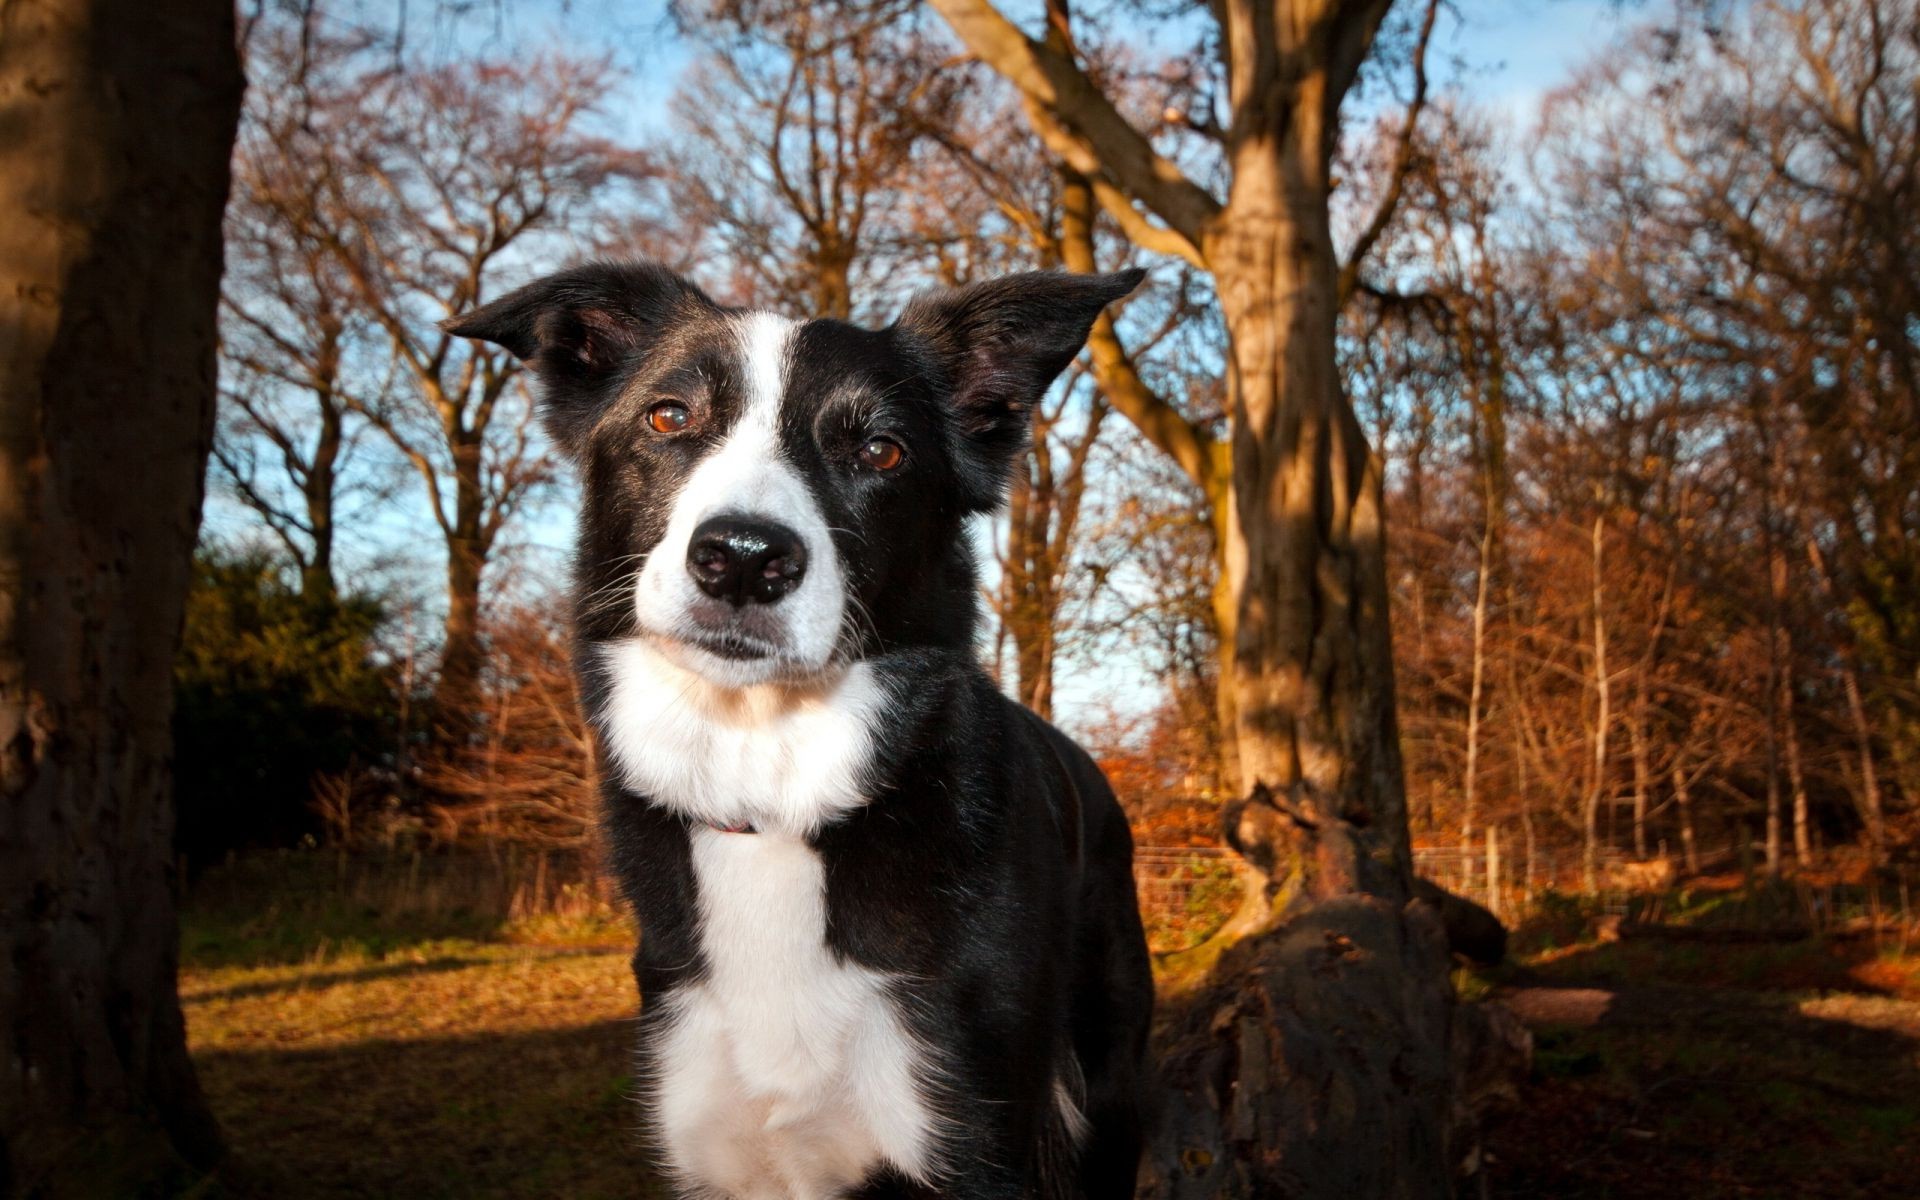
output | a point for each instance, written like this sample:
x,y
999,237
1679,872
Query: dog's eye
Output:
x,y
882,454
669,416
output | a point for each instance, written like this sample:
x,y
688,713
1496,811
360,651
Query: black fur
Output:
x,y
991,864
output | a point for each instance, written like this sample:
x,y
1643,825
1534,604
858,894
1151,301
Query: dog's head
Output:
x,y
765,497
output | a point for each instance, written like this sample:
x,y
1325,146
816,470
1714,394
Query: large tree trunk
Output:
x,y
1306,557
118,117
1329,1059
1315,1047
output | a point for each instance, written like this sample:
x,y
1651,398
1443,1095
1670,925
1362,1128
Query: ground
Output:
x,y
395,1032
356,1046
1700,1070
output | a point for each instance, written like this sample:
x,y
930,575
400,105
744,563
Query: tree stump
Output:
x,y
1329,1057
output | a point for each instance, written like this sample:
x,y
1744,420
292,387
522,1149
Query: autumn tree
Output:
x,y
1749,185
112,177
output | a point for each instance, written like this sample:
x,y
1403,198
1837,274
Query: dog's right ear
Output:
x,y
580,330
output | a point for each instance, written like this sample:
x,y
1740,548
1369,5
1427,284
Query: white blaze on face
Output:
x,y
747,476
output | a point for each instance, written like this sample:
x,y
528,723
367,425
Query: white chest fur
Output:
x,y
780,758
786,1073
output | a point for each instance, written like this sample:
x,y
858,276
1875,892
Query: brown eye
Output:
x,y
882,454
668,417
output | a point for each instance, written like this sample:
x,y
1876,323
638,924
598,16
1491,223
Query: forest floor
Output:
x,y
1672,1068
354,1051
352,1046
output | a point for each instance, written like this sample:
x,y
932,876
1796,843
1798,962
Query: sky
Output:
x,y
1504,56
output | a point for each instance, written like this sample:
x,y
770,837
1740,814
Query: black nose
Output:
x,y
744,561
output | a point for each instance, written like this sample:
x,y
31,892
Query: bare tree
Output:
x,y
795,139
435,185
295,346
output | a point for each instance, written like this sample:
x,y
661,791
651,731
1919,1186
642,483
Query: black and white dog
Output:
x,y
889,943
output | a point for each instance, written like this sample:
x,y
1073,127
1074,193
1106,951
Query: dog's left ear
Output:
x,y
999,345
580,331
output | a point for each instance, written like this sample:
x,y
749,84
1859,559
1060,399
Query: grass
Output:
x,y
410,1029
356,1049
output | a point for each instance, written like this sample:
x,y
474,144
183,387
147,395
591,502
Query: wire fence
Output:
x,y
1185,892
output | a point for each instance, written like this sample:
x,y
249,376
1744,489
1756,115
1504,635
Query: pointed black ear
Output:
x,y
1000,344
582,330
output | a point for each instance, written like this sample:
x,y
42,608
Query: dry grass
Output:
x,y
464,1069
400,1030
354,1048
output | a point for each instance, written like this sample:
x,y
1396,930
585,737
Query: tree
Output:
x,y
1308,674
795,138
112,177
527,777
294,345
431,184
278,691
1309,670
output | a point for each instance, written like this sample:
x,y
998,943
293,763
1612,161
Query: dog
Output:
x,y
889,939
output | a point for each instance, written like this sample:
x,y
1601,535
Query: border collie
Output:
x,y
889,942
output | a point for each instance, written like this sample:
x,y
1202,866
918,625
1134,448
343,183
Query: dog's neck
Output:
x,y
779,758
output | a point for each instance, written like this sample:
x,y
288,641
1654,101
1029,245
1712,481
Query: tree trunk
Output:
x,y
467,553
113,175
321,486
1603,719
1469,803
1683,799
1775,581
1637,748
1329,1058
1871,813
460,636
1306,557
1796,778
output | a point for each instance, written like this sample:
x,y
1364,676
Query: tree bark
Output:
x,y
118,120
1312,668
469,545
460,634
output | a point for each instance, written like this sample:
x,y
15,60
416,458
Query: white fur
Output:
x,y
782,757
785,1074
746,475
